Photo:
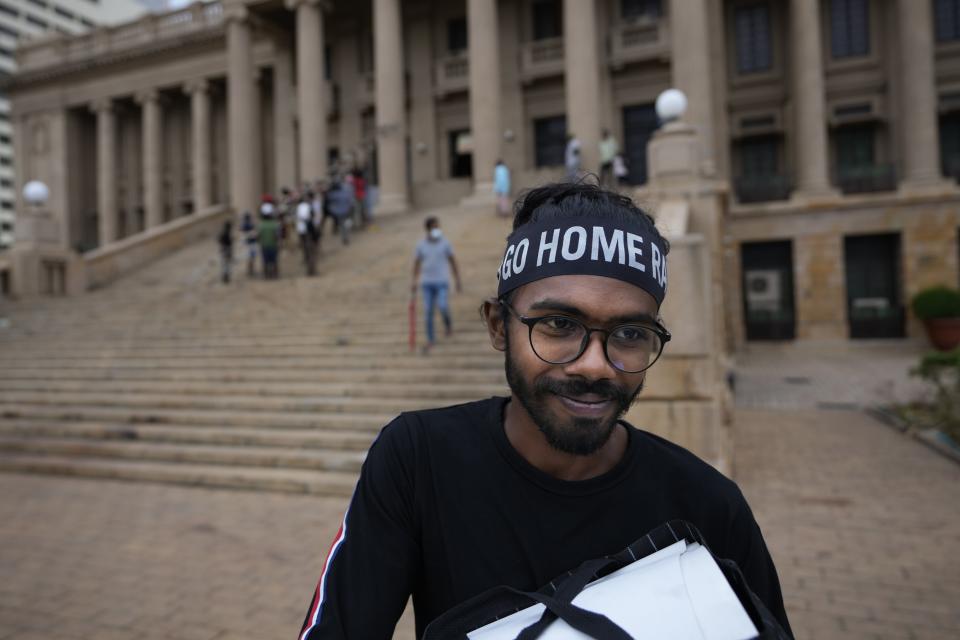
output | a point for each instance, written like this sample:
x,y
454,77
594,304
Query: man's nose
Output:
x,y
592,363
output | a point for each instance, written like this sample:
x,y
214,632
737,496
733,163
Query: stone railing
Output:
x,y
58,50
453,74
104,265
541,59
641,39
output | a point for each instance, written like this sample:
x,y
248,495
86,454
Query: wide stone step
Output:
x,y
447,393
434,393
437,359
255,404
243,456
329,483
363,423
189,434
355,377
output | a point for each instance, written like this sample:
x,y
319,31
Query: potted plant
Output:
x,y
939,309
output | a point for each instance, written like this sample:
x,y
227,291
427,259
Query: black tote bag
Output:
x,y
558,594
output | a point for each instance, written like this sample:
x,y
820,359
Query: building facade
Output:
x,y
26,19
833,125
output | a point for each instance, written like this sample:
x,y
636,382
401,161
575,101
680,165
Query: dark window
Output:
x,y
549,140
4,29
7,9
6,204
768,309
4,139
461,160
761,179
87,23
639,123
4,116
753,38
950,144
946,17
547,19
328,62
6,161
872,265
37,22
6,225
7,53
6,183
456,35
849,28
639,9
855,147
64,13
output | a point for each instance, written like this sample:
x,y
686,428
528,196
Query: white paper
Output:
x,y
677,593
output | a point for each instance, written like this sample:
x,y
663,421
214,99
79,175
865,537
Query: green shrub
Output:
x,y
941,370
937,302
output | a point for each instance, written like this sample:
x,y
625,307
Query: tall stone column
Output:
x,y
485,125
241,126
106,170
311,105
921,148
199,92
152,147
581,80
808,101
284,146
691,67
389,95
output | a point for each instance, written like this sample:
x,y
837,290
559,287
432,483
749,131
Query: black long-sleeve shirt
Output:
x,y
446,508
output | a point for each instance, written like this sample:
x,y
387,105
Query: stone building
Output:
x,y
832,127
22,19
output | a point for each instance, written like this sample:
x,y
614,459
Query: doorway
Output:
x,y
768,307
639,123
874,306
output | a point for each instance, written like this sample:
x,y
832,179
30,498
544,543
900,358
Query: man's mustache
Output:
x,y
574,387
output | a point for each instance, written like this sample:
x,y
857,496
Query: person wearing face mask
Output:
x,y
433,261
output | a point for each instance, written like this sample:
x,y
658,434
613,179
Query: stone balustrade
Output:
x,y
541,59
47,51
639,40
452,74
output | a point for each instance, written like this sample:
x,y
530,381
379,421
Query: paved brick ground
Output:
x,y
863,523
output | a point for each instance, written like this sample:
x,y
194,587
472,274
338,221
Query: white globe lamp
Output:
x,y
671,104
36,193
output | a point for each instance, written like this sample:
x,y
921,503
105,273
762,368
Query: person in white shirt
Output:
x,y
308,233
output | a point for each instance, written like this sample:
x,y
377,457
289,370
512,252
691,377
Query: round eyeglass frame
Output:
x,y
659,330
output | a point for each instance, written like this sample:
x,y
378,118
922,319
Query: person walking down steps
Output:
x,y
432,264
225,240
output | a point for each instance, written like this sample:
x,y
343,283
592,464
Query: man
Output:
x,y
339,202
608,152
571,158
432,263
268,237
515,491
308,232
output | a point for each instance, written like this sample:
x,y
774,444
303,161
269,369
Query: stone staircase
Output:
x,y
170,376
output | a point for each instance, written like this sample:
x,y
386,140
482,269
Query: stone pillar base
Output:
x,y
482,196
921,188
391,204
42,271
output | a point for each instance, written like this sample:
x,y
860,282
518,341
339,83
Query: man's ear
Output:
x,y
492,314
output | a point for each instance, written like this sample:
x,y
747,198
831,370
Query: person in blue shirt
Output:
x,y
432,264
501,187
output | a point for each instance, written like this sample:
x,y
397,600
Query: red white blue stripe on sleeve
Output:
x,y
314,616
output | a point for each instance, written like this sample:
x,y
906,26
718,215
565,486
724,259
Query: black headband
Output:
x,y
625,250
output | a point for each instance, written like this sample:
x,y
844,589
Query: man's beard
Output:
x,y
577,436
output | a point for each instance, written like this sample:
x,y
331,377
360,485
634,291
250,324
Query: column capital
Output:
x,y
324,5
102,104
146,95
196,85
236,13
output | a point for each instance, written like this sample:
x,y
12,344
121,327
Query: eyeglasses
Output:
x,y
630,348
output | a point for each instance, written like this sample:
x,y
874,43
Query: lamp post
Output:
x,y
671,105
36,193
